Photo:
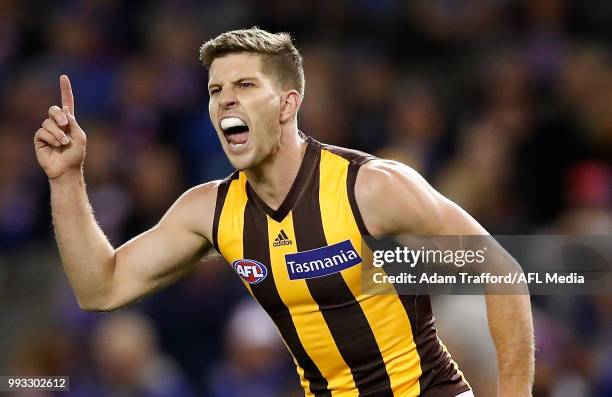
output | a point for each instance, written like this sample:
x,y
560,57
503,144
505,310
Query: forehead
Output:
x,y
235,66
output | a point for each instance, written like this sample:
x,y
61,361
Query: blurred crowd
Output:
x,y
505,106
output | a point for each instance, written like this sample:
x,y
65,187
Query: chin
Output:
x,y
248,159
241,162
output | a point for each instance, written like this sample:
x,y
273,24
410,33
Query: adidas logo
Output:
x,y
282,239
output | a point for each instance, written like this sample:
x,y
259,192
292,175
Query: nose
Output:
x,y
227,98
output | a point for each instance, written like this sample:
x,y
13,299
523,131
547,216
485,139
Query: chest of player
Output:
x,y
304,255
296,269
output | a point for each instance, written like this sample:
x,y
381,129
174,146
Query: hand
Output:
x,y
60,142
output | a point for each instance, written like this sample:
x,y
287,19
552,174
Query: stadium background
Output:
x,y
504,105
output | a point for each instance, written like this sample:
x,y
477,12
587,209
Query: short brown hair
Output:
x,y
279,53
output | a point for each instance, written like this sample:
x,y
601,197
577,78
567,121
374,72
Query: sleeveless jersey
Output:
x,y
302,263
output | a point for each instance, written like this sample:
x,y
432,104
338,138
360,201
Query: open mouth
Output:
x,y
236,132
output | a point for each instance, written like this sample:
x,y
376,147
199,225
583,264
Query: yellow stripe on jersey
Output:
x,y
307,318
385,313
231,222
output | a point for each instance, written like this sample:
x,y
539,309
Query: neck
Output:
x,y
273,178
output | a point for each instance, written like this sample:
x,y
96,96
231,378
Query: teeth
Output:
x,y
231,122
237,145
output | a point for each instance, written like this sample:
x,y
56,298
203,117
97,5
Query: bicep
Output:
x,y
454,220
168,251
153,260
414,208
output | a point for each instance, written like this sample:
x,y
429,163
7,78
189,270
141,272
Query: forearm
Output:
x,y
87,256
511,326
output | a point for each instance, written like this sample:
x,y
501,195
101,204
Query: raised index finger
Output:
x,y
67,97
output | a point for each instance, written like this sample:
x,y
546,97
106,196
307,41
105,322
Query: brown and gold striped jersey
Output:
x,y
302,262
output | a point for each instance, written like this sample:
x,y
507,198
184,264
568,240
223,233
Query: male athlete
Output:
x,y
293,202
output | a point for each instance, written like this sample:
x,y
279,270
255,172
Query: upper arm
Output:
x,y
169,250
394,198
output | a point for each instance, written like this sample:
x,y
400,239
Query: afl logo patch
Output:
x,y
250,270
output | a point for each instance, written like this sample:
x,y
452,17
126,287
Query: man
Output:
x,y
292,200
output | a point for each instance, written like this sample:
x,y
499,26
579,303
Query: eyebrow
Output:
x,y
240,80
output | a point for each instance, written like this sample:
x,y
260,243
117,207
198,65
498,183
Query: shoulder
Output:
x,y
205,195
378,177
195,208
394,198
201,195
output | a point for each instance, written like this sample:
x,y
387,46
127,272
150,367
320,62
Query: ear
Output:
x,y
291,101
